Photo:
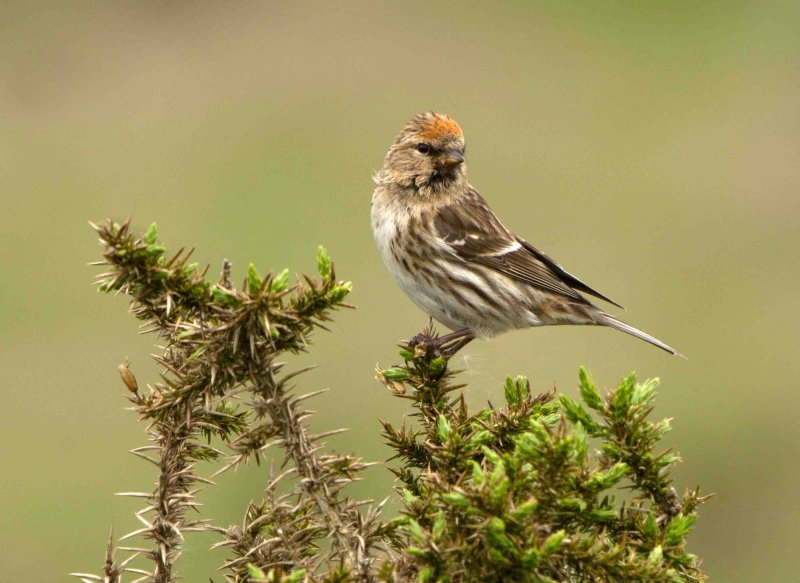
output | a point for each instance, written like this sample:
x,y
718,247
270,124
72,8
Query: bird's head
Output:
x,y
428,155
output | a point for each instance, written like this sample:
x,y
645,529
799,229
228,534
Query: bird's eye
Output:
x,y
423,148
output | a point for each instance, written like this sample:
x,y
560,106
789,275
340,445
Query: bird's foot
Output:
x,y
445,346
450,348
420,339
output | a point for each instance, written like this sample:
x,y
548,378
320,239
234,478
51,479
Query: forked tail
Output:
x,y
612,322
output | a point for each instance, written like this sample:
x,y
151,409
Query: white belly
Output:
x,y
431,299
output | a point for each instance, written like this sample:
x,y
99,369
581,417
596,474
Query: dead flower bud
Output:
x,y
392,378
127,377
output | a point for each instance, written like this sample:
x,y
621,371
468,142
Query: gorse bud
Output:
x,y
256,573
443,428
128,378
589,392
339,292
323,263
151,235
553,542
280,281
253,280
395,374
516,390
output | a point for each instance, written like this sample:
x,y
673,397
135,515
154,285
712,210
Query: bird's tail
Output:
x,y
612,322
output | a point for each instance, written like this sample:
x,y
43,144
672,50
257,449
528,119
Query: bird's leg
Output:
x,y
446,345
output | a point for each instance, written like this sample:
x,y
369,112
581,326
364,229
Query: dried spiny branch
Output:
x,y
220,344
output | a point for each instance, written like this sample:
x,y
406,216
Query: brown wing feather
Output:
x,y
564,275
475,234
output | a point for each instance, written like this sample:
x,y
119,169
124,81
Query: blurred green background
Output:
x,y
652,148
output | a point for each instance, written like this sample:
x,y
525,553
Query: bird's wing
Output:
x,y
565,276
475,234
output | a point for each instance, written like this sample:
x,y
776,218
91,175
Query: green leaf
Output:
x,y
650,527
667,459
427,574
253,571
611,451
498,557
531,558
323,263
223,298
416,531
677,529
603,514
581,441
529,446
491,455
295,576
589,392
499,484
607,478
656,556
525,510
497,538
574,504
253,280
395,373
516,390
478,476
550,420
577,414
439,527
154,250
623,395
110,285
438,365
339,292
644,393
281,281
479,438
455,499
397,522
409,496
661,428
151,235
197,353
443,428
553,542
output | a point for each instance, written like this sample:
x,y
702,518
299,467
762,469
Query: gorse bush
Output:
x,y
531,491
514,494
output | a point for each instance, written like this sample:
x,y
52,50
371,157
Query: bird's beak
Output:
x,y
452,158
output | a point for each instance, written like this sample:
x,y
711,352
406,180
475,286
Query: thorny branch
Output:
x,y
222,343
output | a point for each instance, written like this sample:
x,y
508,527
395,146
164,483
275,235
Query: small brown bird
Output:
x,y
454,258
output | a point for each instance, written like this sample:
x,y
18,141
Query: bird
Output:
x,y
456,260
